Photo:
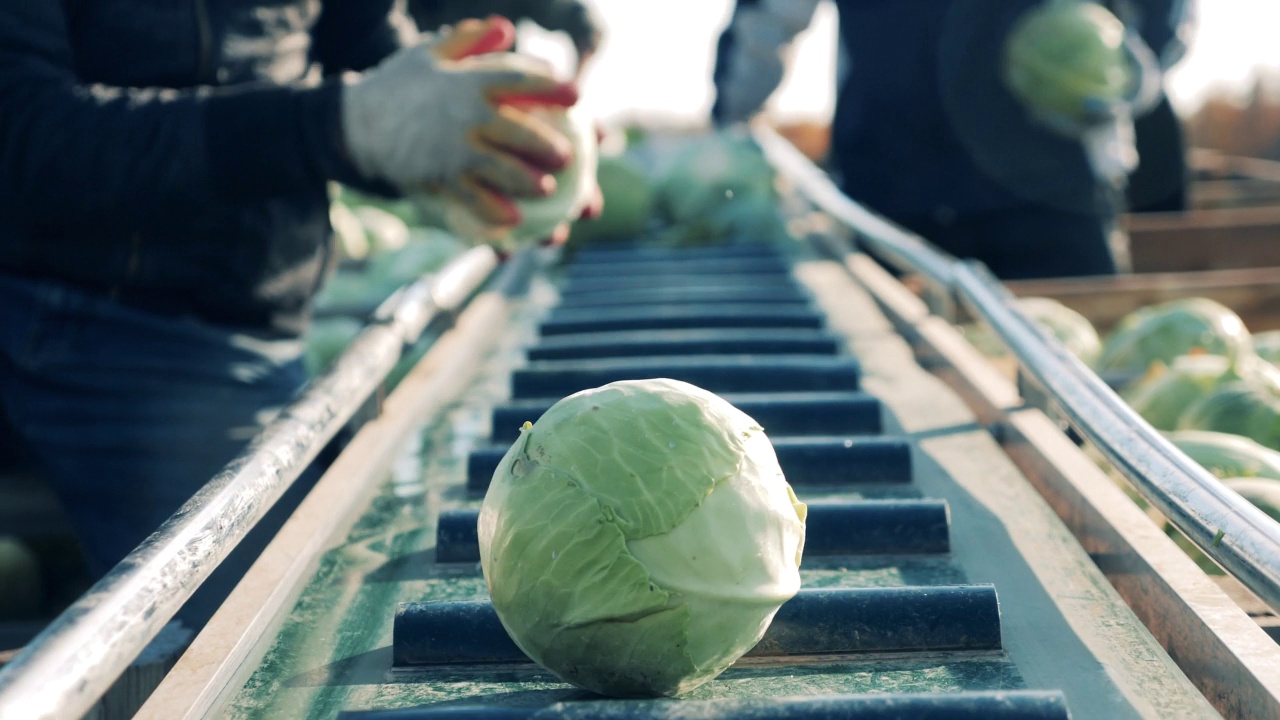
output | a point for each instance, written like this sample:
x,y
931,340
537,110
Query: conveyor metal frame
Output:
x,y
69,665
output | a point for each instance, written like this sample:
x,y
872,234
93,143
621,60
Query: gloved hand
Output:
x,y
759,36
593,207
438,117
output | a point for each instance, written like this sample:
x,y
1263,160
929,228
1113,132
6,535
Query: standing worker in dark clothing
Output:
x,y
575,18
931,132
164,218
1161,181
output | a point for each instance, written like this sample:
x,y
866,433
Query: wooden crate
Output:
x,y
1227,248
1205,240
1254,293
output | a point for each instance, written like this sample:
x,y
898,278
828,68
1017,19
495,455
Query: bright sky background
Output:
x,y
656,59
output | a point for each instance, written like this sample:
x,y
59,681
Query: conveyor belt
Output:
x,y
937,581
897,614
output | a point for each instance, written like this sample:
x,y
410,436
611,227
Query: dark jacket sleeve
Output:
x,y
575,18
75,156
725,47
358,34
1165,26
572,17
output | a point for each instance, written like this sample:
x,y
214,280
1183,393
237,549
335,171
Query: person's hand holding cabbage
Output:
x,y
456,118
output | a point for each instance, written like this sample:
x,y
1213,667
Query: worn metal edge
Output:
x,y
226,651
1214,641
982,477
1233,662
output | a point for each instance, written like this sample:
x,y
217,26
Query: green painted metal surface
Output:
x,y
334,652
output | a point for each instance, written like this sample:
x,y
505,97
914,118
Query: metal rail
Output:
x,y
1229,529
74,661
898,248
1237,535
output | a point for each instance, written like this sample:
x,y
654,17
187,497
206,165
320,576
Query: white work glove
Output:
x,y
444,117
762,35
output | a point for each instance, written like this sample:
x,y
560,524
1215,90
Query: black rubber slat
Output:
x,y
866,527
798,413
719,282
733,341
825,461
697,294
877,527
817,621
680,316
677,268
642,252
715,373
965,705
837,460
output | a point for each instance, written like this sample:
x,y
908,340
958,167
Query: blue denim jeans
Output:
x,y
128,413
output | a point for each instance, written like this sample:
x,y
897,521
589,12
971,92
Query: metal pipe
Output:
x,y
901,249
1228,528
74,661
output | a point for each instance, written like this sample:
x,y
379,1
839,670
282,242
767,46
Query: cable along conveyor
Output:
x,y
938,580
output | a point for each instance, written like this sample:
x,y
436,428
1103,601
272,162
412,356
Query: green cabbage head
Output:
x,y
1064,54
638,539
1162,394
1226,455
1165,331
742,221
1267,345
714,171
1240,407
628,203
1262,492
1072,329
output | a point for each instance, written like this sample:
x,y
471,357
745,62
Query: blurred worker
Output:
x,y
951,120
164,218
1161,182
575,18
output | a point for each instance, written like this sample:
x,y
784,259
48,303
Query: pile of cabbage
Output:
x,y
719,188
1062,324
1068,327
699,189
681,191
380,246
1196,368
1195,372
1192,369
1185,364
